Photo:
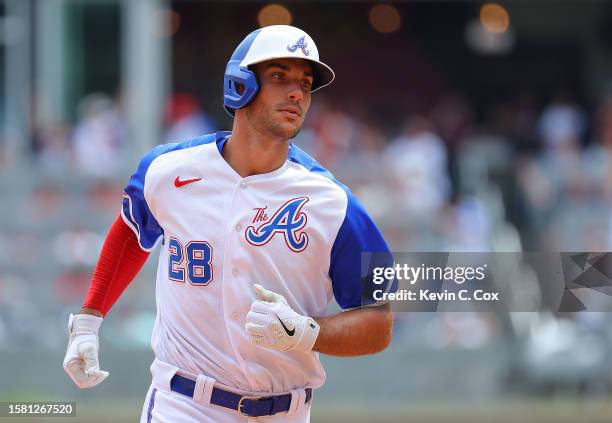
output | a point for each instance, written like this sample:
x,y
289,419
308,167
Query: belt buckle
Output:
x,y
240,404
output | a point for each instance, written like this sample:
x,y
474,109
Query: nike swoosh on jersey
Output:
x,y
178,183
289,332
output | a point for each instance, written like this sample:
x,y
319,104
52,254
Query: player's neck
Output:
x,y
249,153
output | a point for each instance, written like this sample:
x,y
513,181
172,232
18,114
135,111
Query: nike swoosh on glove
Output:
x,y
272,323
81,361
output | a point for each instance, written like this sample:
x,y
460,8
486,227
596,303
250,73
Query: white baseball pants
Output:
x,y
162,405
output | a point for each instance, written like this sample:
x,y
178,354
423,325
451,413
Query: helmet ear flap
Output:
x,y
239,88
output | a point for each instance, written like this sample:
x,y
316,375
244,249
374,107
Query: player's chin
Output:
x,y
289,130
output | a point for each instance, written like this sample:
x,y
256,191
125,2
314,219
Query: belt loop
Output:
x,y
162,373
203,389
298,399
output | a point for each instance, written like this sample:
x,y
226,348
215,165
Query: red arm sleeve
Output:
x,y
120,260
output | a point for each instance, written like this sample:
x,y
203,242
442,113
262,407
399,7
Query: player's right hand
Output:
x,y
81,361
272,323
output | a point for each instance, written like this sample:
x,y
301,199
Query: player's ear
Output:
x,y
240,88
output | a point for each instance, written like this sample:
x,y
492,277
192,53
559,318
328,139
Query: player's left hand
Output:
x,y
272,323
81,360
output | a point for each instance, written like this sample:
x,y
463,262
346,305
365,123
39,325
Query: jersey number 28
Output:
x,y
195,258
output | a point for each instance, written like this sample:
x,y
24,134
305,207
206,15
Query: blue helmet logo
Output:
x,y
301,43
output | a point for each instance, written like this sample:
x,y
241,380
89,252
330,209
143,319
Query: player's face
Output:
x,y
280,106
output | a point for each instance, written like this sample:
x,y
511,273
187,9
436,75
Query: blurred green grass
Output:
x,y
560,410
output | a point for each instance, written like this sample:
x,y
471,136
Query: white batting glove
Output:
x,y
272,323
81,361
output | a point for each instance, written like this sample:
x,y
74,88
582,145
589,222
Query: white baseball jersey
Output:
x,y
296,231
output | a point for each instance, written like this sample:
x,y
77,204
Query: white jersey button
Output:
x,y
243,184
235,271
238,227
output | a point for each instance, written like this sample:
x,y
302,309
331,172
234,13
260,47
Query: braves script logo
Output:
x,y
301,43
287,220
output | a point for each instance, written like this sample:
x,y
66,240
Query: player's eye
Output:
x,y
277,75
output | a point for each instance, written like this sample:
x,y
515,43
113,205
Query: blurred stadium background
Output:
x,y
462,125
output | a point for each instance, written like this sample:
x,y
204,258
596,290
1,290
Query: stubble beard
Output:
x,y
264,123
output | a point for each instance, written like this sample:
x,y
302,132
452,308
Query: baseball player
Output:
x,y
256,238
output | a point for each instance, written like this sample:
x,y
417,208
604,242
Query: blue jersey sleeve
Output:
x,y
358,249
135,210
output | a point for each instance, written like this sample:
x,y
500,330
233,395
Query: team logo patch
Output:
x,y
301,43
288,220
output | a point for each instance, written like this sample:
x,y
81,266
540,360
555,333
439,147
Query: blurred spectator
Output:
x,y
465,226
525,115
515,120
562,124
185,119
453,120
336,131
98,137
417,160
599,155
598,159
50,136
52,147
368,143
559,184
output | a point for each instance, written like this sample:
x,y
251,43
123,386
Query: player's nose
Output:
x,y
295,92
